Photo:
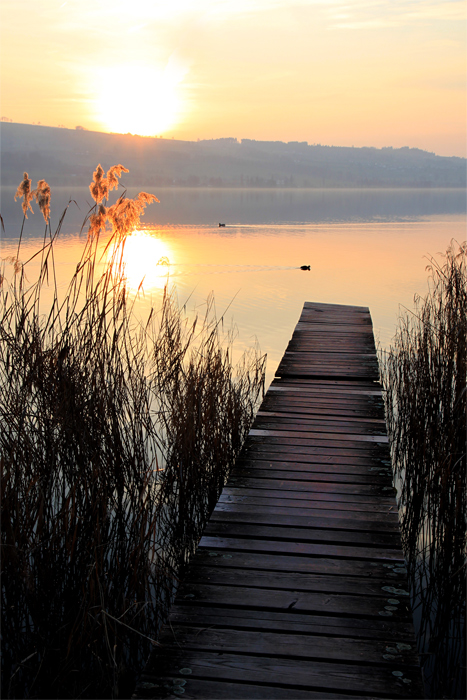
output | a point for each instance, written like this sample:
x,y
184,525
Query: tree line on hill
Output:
x,y
68,155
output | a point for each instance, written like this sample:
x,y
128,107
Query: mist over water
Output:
x,y
208,207
365,247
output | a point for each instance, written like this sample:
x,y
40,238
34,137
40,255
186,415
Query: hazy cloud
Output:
x,y
362,14
293,68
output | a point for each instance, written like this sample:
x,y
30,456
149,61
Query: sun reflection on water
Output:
x,y
145,259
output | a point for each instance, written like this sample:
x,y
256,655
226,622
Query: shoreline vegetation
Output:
x,y
70,154
424,376
116,440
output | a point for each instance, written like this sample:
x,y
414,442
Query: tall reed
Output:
x,y
424,377
116,439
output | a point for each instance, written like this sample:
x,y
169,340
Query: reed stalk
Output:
x,y
116,439
424,376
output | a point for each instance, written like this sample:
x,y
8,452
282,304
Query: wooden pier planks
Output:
x,y
298,588
331,341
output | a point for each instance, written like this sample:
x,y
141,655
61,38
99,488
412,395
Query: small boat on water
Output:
x,y
302,267
221,224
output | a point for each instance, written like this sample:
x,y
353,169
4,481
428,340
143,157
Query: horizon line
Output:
x,y
232,139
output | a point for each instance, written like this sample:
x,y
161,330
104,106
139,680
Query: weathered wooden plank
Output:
x,y
364,406
343,385
316,603
335,358
361,398
310,361
333,315
343,469
319,502
330,315
318,370
295,673
358,501
235,528
315,473
298,587
278,452
362,390
335,324
331,462
303,343
331,443
313,388
223,513
256,445
297,646
385,629
309,333
359,394
320,509
310,469
352,330
340,332
201,689
248,578
318,307
335,435
304,487
380,569
326,311
357,425
323,409
317,423
308,549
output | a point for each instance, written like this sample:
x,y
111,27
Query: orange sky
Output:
x,y
336,72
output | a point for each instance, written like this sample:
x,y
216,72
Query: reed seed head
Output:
x,y
146,198
113,174
125,214
97,221
42,195
99,186
24,190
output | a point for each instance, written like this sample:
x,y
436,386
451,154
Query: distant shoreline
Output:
x,y
70,155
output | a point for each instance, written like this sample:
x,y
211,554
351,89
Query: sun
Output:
x,y
139,99
146,261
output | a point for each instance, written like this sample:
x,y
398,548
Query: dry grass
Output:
x,y
115,442
424,376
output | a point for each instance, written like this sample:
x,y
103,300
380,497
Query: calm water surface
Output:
x,y
368,248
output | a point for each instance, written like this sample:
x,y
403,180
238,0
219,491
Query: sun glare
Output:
x,y
140,100
146,261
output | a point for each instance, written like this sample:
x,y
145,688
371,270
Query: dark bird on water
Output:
x,y
221,224
302,267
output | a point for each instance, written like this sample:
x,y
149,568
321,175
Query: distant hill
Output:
x,y
69,156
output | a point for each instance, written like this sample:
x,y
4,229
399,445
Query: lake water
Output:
x,y
368,248
364,247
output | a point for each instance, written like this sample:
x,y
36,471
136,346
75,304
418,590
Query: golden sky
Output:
x,y
335,72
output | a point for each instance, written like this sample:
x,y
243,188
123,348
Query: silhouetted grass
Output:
x,y
116,439
424,376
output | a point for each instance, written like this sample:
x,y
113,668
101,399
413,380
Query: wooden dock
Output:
x,y
298,588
